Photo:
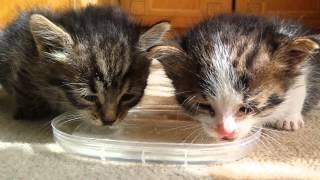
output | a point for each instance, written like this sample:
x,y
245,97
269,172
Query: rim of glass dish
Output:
x,y
255,134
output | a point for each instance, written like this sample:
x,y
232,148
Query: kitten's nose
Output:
x,y
108,121
225,134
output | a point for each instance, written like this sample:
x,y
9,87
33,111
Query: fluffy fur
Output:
x,y
233,72
91,60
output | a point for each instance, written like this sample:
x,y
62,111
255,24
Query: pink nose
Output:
x,y
223,133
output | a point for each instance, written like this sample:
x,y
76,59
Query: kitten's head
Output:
x,y
231,77
102,69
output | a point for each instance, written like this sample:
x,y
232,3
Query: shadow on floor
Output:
x,y
23,131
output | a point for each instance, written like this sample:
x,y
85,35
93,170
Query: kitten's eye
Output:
x,y
127,97
243,110
91,98
204,106
207,107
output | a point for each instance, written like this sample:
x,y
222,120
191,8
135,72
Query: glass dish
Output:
x,y
157,134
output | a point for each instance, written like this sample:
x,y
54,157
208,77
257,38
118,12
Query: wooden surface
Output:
x,y
107,2
10,8
306,11
181,13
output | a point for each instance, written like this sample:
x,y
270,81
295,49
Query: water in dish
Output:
x,y
161,135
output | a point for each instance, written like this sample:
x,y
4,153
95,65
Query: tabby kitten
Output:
x,y
91,60
234,72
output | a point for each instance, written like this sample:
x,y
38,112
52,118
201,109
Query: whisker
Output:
x,y
264,145
190,135
266,140
185,127
272,138
197,136
271,129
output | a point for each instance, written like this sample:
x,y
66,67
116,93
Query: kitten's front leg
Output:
x,y
290,117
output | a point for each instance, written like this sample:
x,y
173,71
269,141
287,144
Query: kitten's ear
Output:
x,y
296,51
52,41
153,35
173,58
178,65
167,53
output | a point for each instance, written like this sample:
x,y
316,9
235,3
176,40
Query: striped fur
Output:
x,y
91,60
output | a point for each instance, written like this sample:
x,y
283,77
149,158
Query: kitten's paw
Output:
x,y
290,124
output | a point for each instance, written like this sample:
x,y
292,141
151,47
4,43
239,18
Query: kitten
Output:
x,y
235,72
91,60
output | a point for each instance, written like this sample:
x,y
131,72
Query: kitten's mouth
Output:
x,y
226,137
100,122
222,135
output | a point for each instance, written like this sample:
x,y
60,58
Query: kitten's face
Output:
x,y
232,82
101,77
104,93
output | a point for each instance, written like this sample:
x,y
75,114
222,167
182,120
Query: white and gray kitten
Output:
x,y
91,60
234,72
